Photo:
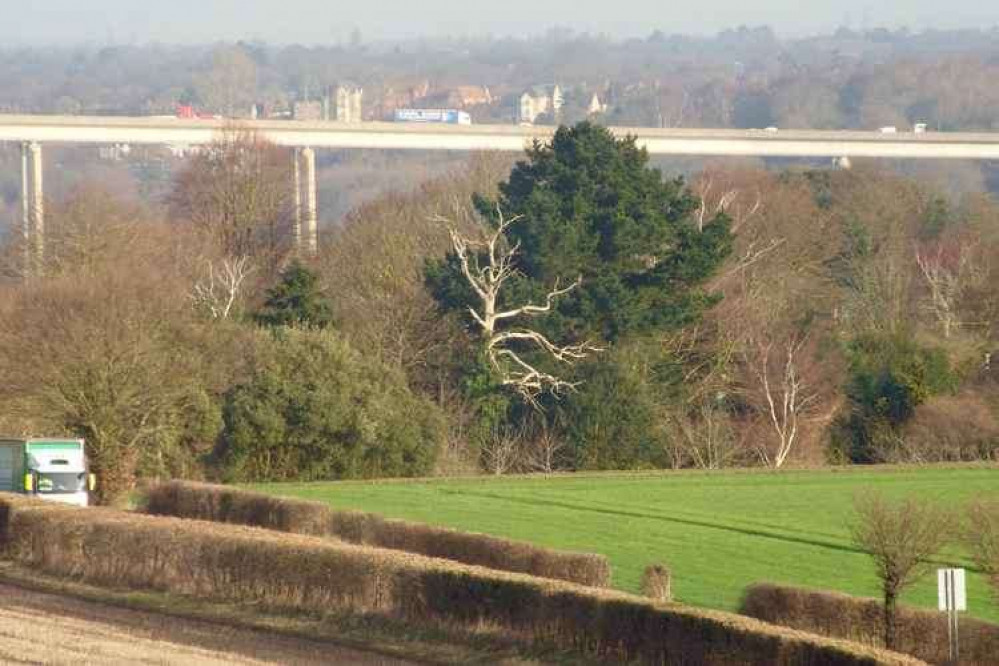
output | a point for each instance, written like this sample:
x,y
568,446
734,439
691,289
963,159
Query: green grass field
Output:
x,y
718,532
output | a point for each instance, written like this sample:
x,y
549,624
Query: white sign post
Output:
x,y
952,598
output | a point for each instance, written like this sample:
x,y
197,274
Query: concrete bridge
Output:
x,y
305,137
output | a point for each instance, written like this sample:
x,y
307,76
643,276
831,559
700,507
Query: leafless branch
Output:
x,y
220,289
487,265
787,399
944,273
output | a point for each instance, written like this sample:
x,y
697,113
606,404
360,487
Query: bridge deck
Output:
x,y
786,143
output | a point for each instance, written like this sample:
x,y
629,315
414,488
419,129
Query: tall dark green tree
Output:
x,y
588,206
296,300
591,206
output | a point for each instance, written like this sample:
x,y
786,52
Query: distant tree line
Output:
x,y
742,78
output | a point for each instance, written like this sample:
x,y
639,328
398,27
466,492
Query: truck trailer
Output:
x,y
48,468
445,116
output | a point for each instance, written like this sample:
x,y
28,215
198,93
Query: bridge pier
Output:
x,y
32,207
306,227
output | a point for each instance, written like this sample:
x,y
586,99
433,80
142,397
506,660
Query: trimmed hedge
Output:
x,y
223,504
921,633
242,564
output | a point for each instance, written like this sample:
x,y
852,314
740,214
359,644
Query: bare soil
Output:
x,y
41,628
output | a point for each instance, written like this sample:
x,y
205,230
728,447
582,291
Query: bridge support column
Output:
x,y
297,187
311,202
306,228
32,207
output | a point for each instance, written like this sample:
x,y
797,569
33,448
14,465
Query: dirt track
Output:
x,y
39,628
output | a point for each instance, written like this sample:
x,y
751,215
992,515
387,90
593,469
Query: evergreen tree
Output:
x,y
591,206
296,300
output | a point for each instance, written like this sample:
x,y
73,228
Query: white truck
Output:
x,y
48,468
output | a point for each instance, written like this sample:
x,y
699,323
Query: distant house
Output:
x,y
345,104
465,96
307,111
596,106
460,97
540,100
392,99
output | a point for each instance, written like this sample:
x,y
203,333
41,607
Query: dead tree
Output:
x,y
727,202
220,289
487,265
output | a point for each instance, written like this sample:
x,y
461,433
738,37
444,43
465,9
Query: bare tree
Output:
x,y
90,228
487,280
944,267
501,452
99,358
229,87
785,395
238,193
707,439
902,537
544,451
218,291
373,269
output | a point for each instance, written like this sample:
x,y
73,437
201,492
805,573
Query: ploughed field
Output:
x,y
40,628
717,531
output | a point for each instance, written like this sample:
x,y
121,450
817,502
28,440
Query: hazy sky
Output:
x,y
322,21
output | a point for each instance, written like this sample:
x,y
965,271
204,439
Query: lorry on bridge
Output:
x,y
445,116
47,468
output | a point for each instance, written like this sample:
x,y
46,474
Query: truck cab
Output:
x,y
47,468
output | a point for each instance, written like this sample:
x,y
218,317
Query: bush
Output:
x,y
245,565
890,377
610,420
313,408
951,429
657,582
921,633
228,505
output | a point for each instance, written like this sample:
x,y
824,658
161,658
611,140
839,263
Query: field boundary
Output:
x,y
224,504
921,633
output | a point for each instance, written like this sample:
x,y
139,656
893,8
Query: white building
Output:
x,y
540,100
346,102
596,106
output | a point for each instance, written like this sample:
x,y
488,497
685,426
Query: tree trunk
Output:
x,y
891,599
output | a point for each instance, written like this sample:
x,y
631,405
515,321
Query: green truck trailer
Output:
x,y
47,468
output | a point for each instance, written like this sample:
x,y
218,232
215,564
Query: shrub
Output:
x,y
246,565
313,408
657,582
920,633
229,505
610,420
890,377
951,428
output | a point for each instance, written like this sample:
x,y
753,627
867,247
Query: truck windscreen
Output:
x,y
53,483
